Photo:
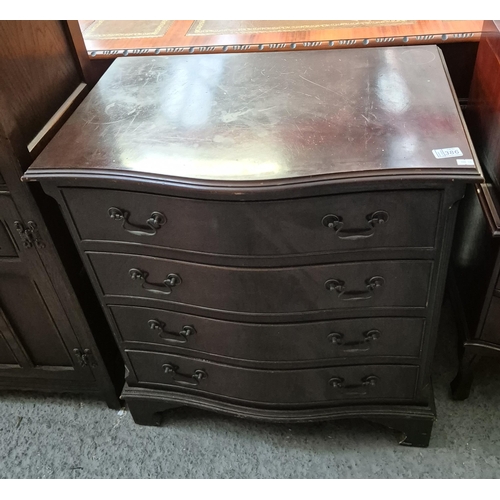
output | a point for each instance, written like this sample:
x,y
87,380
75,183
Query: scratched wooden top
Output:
x,y
265,117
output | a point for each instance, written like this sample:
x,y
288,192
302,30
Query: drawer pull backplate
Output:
x,y
166,287
336,285
155,221
368,337
336,223
366,382
188,380
182,336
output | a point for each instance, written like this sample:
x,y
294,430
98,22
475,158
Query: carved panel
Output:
x,y
31,320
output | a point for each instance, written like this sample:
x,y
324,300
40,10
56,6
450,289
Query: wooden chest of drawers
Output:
x,y
269,233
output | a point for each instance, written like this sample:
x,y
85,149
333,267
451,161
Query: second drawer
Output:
x,y
401,283
311,341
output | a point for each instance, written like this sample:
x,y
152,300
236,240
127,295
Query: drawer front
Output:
x,y
491,328
390,219
272,342
294,289
345,383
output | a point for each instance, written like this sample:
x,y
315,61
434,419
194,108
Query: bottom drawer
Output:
x,y
305,386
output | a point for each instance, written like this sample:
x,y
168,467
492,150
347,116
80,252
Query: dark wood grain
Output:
x,y
37,71
264,121
48,131
483,112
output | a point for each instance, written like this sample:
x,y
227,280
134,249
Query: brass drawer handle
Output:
x,y
368,381
336,223
171,281
159,327
336,285
368,337
155,221
188,380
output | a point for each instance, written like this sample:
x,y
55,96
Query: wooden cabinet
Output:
x,y
268,234
46,312
475,280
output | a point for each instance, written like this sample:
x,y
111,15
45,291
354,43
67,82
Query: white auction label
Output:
x,y
447,153
465,162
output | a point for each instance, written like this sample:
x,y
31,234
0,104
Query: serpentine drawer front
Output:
x,y
309,288
270,240
318,385
374,220
319,340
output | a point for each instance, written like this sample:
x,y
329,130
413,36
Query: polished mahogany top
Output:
x,y
262,118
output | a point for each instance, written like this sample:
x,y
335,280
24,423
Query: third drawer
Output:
x,y
288,342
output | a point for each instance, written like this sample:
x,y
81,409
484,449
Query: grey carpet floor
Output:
x,y
77,437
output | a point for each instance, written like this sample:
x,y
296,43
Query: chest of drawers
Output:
x,y
269,233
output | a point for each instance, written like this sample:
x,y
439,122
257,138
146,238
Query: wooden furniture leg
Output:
x,y
148,412
411,431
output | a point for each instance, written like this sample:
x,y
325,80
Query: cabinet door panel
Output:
x,y
6,355
36,338
30,318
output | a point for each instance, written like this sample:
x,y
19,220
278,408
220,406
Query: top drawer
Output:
x,y
337,223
